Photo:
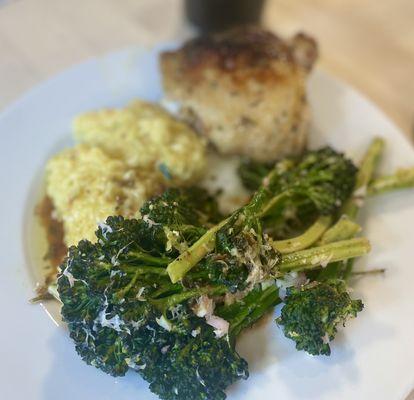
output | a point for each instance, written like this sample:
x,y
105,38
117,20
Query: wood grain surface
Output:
x,y
367,43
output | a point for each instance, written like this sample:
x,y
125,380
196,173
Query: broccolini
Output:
x,y
312,313
168,293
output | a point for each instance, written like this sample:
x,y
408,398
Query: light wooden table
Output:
x,y
368,43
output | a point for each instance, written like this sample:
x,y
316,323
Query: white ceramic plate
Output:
x,y
372,359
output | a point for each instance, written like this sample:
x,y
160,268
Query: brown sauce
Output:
x,y
264,320
56,248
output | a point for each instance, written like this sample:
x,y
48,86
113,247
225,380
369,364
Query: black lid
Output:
x,y
217,15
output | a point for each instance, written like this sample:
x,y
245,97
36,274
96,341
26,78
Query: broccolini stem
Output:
x,y
268,299
143,270
120,295
52,289
167,290
163,304
365,174
305,240
148,258
236,312
47,293
316,257
364,177
185,261
369,272
273,202
403,178
264,198
137,272
344,229
258,205
369,162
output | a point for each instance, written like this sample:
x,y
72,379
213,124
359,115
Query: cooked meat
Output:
x,y
244,90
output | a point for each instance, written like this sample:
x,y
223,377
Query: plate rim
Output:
x,y
12,106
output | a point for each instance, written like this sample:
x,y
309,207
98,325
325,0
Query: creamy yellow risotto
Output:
x,y
124,157
144,135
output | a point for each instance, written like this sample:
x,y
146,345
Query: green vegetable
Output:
x,y
325,254
323,178
402,179
185,261
178,218
252,173
249,309
365,175
344,229
124,312
168,294
320,165
312,314
305,240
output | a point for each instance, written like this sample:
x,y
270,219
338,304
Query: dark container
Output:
x,y
217,15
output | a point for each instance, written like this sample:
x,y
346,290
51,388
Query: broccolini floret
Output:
x,y
253,172
178,217
199,367
168,293
312,313
123,312
323,178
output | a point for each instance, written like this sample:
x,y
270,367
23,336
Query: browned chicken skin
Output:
x,y
244,90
